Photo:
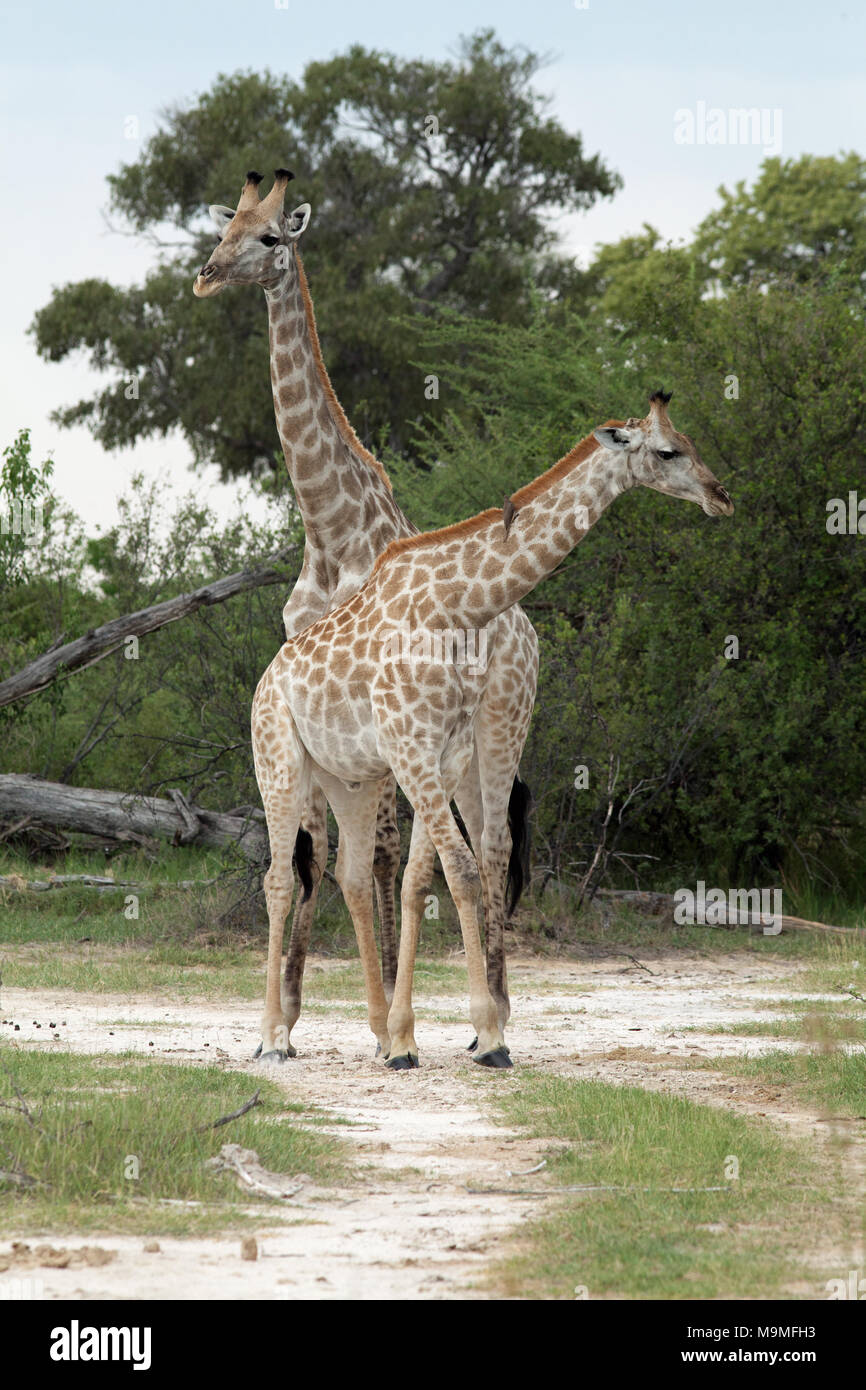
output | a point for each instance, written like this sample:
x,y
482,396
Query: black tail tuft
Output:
x,y
304,862
519,806
461,826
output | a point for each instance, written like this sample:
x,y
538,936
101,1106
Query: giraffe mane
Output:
x,y
493,515
339,415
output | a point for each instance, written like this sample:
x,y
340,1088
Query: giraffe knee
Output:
x,y
354,887
278,878
466,880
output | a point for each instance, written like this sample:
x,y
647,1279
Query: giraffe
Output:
x,y
350,516
342,706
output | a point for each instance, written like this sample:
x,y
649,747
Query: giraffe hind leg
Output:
x,y
313,857
386,862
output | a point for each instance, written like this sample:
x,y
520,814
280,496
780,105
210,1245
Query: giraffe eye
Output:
x,y
269,240
666,454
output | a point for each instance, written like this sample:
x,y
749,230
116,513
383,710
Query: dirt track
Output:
x,y
420,1235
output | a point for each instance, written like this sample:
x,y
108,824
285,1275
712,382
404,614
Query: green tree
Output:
x,y
25,490
404,219
736,771
802,219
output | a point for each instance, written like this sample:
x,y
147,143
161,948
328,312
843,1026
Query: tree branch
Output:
x,y
100,641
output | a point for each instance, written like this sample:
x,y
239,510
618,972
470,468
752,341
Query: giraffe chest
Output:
x,y
327,688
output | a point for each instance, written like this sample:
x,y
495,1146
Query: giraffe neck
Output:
x,y
342,491
478,571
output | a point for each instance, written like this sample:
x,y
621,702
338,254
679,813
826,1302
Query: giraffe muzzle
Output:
x,y
719,504
207,282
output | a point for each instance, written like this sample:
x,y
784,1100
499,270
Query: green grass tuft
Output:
x,y
742,1242
90,1117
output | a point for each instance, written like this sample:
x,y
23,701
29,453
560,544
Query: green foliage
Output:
x,y
176,713
729,769
746,770
402,218
24,490
803,219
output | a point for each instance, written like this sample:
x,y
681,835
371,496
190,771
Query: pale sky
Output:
x,y
619,71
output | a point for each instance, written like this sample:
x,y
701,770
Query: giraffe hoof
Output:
x,y
498,1057
276,1054
473,1045
405,1062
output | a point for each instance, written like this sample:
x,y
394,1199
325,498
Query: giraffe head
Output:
x,y
257,239
658,456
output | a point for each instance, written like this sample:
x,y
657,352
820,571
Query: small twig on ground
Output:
x,y
235,1114
250,1173
588,1187
638,962
22,1107
525,1172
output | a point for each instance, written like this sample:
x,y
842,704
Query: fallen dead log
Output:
x,y
656,903
101,641
18,884
126,815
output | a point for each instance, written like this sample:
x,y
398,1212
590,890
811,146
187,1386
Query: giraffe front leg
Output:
x,y
282,772
279,886
355,814
425,789
416,880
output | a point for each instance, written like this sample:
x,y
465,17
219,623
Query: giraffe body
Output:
x,y
350,516
339,709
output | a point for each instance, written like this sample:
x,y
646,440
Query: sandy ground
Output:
x,y
424,1234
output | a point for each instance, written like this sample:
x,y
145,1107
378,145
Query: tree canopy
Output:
x,y
432,186
707,677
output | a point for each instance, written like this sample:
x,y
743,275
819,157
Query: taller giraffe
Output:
x,y
350,516
340,705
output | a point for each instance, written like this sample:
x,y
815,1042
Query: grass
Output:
x,y
89,1117
190,970
226,904
847,1029
184,972
432,977
743,1242
829,1079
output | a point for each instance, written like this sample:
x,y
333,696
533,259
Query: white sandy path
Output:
x,y
423,1236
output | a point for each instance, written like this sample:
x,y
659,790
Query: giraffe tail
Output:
x,y
304,862
519,807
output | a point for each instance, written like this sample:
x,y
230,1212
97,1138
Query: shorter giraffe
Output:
x,y
350,700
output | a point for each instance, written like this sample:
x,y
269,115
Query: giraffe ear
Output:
x,y
298,220
613,438
221,217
